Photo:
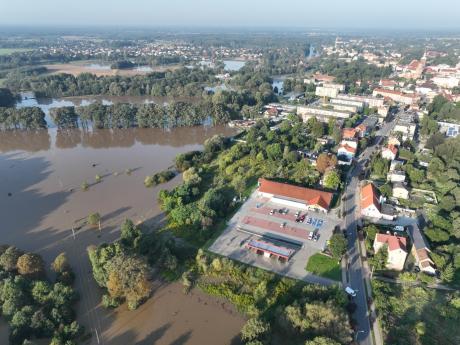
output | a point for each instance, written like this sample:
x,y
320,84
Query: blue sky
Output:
x,y
404,14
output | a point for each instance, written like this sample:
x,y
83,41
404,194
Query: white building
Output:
x,y
400,191
347,151
307,112
397,250
372,204
322,91
396,176
389,152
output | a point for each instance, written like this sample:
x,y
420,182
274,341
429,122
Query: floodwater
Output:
x,y
40,200
45,104
233,65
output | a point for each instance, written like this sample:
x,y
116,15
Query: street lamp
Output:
x,y
356,335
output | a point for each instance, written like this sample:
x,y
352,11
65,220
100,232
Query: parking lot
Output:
x,y
305,232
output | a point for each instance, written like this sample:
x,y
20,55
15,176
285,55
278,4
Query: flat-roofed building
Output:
x,y
449,129
371,102
307,112
400,191
344,107
396,176
349,102
323,91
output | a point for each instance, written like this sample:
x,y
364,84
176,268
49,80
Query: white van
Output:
x,y
350,291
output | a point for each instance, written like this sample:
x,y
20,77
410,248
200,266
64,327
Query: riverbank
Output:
x,y
41,198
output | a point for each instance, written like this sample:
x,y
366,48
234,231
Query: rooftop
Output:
x,y
394,242
307,195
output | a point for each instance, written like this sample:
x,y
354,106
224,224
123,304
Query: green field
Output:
x,y
324,266
8,51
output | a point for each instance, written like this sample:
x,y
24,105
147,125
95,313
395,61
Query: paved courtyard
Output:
x,y
254,221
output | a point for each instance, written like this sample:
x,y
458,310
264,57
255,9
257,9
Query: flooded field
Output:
x,y
40,199
103,69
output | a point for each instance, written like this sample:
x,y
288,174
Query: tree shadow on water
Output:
x,y
182,339
155,335
23,206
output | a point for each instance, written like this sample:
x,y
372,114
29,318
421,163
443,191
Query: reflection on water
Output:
x,y
28,100
98,66
44,140
233,65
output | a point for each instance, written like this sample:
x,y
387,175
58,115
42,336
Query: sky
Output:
x,y
390,14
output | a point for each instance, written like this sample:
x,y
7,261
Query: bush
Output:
x,y
158,178
94,219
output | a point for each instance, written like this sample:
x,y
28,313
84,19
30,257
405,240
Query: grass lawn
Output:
x,y
324,266
8,51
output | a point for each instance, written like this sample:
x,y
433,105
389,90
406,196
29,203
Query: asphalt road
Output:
x,y
355,268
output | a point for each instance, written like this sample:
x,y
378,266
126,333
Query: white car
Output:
x,y
350,291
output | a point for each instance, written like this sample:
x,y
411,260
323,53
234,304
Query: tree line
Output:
x,y
181,82
34,306
29,118
7,98
123,115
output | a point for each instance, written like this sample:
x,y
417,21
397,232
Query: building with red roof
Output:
x,y
295,196
396,96
346,150
349,133
390,152
388,84
397,250
372,204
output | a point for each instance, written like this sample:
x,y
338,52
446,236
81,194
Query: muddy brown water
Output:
x,y
40,199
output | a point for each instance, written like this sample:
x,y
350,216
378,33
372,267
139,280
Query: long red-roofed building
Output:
x,y
295,196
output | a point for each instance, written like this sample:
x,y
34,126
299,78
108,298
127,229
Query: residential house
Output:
x,y
346,150
349,133
400,191
397,250
372,204
420,250
389,152
396,164
396,176
394,140
406,125
388,84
